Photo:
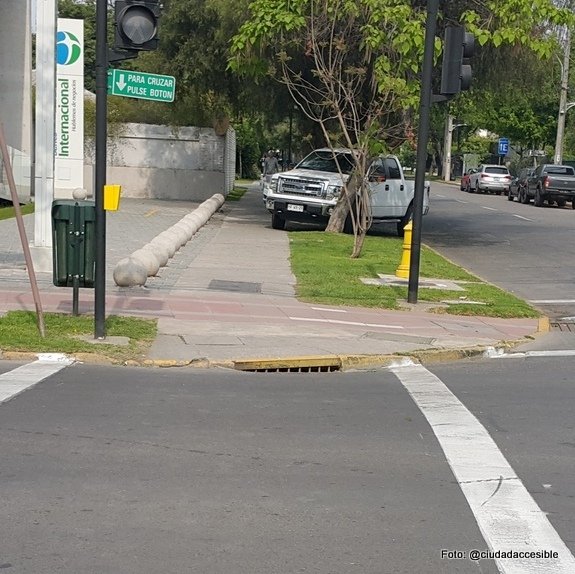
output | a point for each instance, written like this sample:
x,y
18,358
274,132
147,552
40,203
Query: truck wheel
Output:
x,y
561,202
509,196
468,188
538,199
523,195
405,220
278,222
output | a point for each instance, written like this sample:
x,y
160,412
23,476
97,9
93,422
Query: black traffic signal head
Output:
x,y
456,75
136,23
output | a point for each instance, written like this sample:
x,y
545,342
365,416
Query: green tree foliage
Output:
x,y
353,66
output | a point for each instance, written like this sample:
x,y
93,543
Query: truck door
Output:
x,y
389,195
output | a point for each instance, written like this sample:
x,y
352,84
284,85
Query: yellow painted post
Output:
x,y
403,269
112,197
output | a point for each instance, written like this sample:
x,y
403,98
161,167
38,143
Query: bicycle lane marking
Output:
x,y
507,515
21,378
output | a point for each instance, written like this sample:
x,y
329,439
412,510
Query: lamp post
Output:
x,y
558,158
563,105
448,136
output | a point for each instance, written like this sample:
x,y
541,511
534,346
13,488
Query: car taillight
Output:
x,y
546,181
484,175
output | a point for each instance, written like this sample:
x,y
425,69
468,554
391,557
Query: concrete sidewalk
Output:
x,y
227,298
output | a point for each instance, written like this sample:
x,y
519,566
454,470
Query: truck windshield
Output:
x,y
325,160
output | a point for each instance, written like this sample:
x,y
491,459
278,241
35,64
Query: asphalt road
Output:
x,y
111,469
524,249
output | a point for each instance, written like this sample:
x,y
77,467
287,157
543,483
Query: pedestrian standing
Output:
x,y
271,164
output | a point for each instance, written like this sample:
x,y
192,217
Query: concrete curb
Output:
x,y
308,363
329,363
543,325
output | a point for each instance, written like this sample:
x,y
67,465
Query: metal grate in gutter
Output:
x,y
296,365
558,325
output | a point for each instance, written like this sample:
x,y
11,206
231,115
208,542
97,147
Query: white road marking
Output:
x,y
560,353
18,380
506,513
552,301
461,201
521,217
355,323
490,208
330,310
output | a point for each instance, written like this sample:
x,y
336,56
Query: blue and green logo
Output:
x,y
68,48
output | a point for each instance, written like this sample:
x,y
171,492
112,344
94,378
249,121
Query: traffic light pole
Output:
x,y
100,168
422,138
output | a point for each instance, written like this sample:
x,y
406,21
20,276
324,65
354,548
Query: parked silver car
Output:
x,y
490,178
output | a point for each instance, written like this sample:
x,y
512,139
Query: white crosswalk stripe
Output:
x,y
507,515
18,380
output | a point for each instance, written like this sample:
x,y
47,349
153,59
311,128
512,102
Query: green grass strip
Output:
x,y
326,274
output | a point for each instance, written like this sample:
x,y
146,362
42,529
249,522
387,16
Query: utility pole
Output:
x,y
100,168
558,158
422,139
447,148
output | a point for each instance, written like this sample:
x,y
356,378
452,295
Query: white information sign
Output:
x,y
69,128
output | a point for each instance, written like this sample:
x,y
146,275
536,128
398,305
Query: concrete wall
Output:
x,y
160,162
15,92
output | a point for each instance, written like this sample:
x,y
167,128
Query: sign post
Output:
x,y
141,85
502,148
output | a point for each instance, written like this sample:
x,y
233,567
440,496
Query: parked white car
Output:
x,y
310,191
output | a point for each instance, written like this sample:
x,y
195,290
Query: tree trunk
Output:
x,y
346,199
363,222
358,244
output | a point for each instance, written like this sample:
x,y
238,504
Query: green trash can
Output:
x,y
73,243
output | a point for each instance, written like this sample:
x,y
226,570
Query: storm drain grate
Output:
x,y
317,369
299,365
235,286
566,326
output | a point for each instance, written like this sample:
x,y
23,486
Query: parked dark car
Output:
x,y
464,184
552,184
517,188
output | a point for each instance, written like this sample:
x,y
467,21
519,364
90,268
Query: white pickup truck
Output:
x,y
310,191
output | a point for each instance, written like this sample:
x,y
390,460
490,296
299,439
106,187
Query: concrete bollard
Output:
x,y
160,252
166,240
148,259
129,272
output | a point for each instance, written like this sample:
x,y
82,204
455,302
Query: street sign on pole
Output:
x,y
503,148
141,85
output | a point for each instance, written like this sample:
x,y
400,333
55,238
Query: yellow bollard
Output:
x,y
403,269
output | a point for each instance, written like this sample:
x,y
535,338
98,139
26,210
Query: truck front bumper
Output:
x,y
299,211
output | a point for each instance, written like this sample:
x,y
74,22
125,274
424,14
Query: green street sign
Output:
x,y
141,85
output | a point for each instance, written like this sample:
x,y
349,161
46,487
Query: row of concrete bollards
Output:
x,y
146,262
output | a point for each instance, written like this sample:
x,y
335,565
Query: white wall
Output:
x,y
160,162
